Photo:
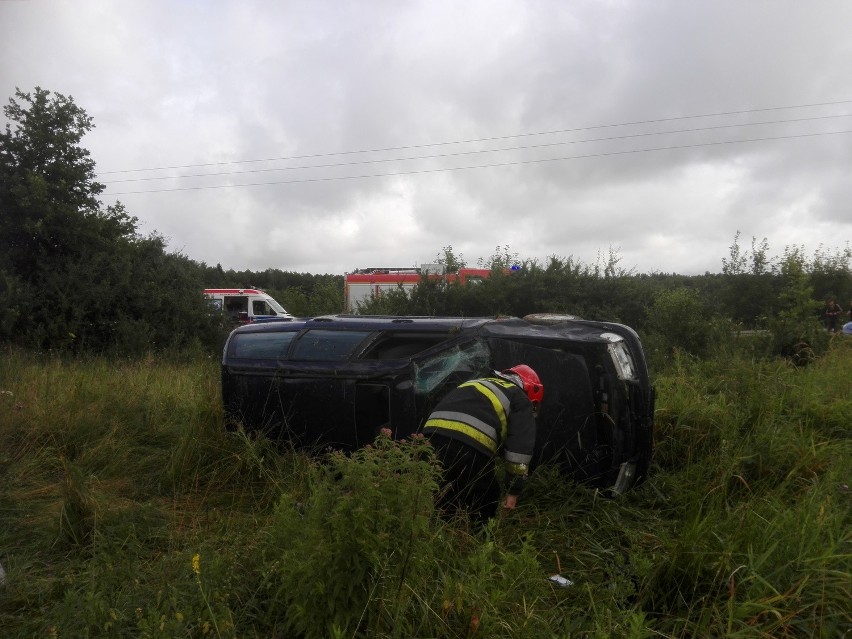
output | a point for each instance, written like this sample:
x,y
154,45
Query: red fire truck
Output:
x,y
362,284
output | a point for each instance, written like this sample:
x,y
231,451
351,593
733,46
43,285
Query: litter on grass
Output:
x,y
562,582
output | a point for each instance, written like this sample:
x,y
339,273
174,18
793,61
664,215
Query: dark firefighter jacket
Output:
x,y
489,414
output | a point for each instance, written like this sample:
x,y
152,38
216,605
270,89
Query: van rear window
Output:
x,y
261,345
327,346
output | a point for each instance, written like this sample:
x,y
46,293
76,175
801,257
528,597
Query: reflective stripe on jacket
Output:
x,y
488,414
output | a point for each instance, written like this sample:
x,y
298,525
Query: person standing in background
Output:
x,y
832,315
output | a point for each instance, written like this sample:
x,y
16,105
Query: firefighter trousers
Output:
x,y
469,481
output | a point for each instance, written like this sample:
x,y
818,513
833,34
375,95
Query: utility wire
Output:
x,y
486,166
486,139
499,150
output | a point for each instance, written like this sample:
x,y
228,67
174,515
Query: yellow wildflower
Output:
x,y
196,564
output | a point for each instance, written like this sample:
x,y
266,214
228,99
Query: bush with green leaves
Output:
x,y
345,555
796,329
363,552
678,321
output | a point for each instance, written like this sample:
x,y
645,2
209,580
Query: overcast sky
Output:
x,y
655,129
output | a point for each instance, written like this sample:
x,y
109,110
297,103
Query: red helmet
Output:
x,y
531,383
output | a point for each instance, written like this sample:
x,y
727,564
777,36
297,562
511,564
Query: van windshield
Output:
x,y
279,310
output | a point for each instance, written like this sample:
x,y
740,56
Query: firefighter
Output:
x,y
472,425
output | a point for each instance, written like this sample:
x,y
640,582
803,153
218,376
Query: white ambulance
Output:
x,y
245,305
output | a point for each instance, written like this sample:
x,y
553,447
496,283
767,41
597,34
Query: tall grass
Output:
x,y
126,510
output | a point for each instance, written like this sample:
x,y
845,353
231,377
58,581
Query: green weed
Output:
x,y
127,510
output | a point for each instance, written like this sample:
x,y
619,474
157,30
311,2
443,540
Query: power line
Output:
x,y
486,139
499,150
485,166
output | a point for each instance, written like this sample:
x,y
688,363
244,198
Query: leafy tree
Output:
x,y
452,262
831,275
10,298
760,262
324,297
503,257
608,266
77,276
327,297
294,301
395,301
796,329
678,319
48,191
736,264
751,285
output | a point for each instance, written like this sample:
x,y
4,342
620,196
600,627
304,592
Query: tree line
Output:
x,y
77,276
777,301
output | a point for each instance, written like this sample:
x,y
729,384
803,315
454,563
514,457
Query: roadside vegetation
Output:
x,y
127,510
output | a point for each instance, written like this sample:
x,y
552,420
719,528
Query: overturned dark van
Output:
x,y
335,381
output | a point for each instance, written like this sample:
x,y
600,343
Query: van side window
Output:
x,y
234,305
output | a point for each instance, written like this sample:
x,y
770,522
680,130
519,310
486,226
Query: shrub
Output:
x,y
343,555
678,321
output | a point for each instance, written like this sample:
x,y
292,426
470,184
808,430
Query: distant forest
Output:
x,y
77,277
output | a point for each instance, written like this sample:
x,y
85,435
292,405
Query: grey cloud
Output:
x,y
225,81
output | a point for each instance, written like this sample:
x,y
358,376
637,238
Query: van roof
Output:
x,y
233,291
